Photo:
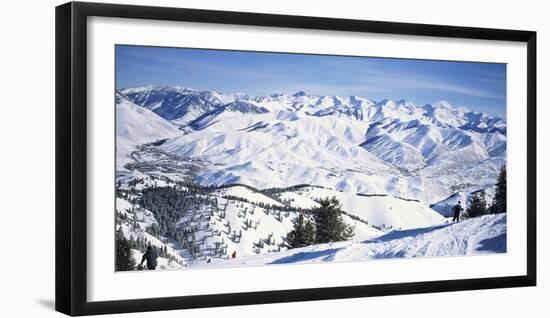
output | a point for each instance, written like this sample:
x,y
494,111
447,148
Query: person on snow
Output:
x,y
151,256
234,254
456,209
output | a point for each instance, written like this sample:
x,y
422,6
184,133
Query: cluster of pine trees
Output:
x,y
327,226
124,261
169,204
479,206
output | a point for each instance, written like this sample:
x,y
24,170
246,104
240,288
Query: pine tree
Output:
x,y
478,206
297,237
124,259
499,200
329,224
309,234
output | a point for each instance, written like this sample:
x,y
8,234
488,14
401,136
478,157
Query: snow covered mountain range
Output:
x,y
203,175
351,144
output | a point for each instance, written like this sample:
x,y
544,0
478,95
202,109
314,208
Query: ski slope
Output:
x,y
486,234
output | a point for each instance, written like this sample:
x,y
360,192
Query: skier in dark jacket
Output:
x,y
456,209
151,257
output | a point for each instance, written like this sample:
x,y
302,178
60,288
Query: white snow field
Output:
x,y
136,125
381,211
482,235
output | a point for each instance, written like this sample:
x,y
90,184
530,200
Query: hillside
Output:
x,y
385,212
486,234
230,219
136,125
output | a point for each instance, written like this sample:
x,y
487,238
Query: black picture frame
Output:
x,y
71,157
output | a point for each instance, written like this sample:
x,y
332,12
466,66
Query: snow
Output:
x,y
395,167
135,126
482,235
298,200
380,211
145,219
445,207
347,143
250,195
162,263
392,151
243,225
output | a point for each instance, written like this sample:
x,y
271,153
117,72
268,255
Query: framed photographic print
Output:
x,y
208,158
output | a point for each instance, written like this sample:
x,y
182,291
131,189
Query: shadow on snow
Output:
x,y
306,256
400,234
495,244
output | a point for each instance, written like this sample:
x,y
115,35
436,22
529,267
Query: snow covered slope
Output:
x,y
133,222
481,235
136,125
278,150
234,219
178,104
384,212
445,207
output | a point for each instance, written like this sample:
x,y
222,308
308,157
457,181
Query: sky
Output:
x,y
477,86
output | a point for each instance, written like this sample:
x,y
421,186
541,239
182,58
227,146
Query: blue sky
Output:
x,y
479,86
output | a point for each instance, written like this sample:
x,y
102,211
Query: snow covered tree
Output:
x,y
329,224
478,206
499,200
124,259
302,234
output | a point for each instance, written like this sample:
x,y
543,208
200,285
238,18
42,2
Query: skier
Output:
x,y
456,209
234,255
151,257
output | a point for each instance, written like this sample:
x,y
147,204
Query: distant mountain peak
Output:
x,y
182,105
442,104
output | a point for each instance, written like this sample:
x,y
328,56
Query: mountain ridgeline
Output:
x,y
348,143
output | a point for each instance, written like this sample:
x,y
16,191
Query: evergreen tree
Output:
x,y
309,234
124,259
299,236
478,206
329,224
499,200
